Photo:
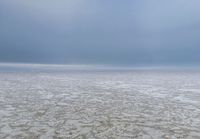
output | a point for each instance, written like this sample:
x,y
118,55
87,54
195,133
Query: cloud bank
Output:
x,y
100,32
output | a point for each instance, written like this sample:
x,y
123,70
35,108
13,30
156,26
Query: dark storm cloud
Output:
x,y
100,31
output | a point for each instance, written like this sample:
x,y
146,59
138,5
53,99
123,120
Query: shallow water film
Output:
x,y
100,104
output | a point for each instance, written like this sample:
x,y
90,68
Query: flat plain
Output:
x,y
66,103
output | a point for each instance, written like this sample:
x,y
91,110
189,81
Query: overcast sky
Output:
x,y
100,31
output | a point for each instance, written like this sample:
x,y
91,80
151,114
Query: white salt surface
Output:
x,y
91,104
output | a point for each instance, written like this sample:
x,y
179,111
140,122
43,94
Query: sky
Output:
x,y
124,32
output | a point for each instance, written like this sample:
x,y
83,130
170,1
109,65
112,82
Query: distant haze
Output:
x,y
130,32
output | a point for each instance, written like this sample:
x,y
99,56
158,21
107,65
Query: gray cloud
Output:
x,y
100,32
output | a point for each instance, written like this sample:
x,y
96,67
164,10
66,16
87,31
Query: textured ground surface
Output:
x,y
144,104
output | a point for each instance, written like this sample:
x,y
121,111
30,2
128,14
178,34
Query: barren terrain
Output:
x,y
100,104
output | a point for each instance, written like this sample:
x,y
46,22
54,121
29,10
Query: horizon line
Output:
x,y
98,66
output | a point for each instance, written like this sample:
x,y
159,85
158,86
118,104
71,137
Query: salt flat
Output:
x,y
99,104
